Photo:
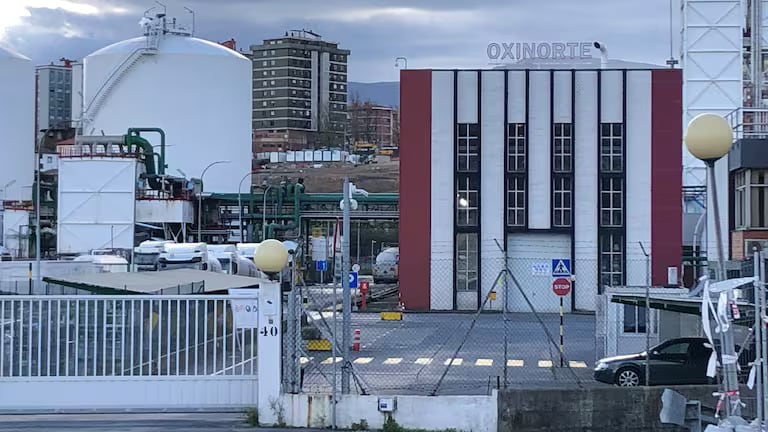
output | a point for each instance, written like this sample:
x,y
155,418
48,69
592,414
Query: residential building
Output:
x,y
510,169
373,124
54,95
300,85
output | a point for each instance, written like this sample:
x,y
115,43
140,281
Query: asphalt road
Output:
x,y
132,422
467,353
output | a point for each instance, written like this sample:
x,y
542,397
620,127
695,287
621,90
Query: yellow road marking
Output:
x,y
545,363
577,364
515,363
484,362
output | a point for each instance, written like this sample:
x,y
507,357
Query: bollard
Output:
x,y
356,341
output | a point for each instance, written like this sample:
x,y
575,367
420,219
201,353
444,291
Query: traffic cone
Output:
x,y
356,341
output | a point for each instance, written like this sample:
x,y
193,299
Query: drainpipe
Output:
x,y
603,54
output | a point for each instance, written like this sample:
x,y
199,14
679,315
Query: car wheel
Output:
x,y
627,377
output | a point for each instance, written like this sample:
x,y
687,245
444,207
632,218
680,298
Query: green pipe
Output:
x,y
378,198
136,131
149,160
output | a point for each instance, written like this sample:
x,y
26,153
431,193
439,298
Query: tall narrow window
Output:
x,y
758,185
467,147
562,200
516,201
516,148
466,261
740,199
562,154
466,200
611,259
611,147
611,200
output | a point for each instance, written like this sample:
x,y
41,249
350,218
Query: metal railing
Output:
x,y
99,336
749,122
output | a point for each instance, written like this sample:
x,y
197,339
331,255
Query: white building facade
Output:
x,y
511,169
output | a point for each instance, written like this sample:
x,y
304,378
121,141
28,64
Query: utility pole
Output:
x,y
347,295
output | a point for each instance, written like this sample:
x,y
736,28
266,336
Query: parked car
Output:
x,y
674,362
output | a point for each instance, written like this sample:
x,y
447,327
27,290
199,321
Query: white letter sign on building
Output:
x,y
515,51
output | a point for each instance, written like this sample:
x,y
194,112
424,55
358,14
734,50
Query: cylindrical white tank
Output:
x,y
197,91
17,121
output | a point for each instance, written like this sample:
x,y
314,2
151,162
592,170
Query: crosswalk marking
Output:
x,y
484,362
363,360
456,362
577,364
392,361
545,363
423,361
329,360
304,360
515,363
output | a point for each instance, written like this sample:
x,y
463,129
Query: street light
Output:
x,y
405,61
200,200
708,138
264,213
240,203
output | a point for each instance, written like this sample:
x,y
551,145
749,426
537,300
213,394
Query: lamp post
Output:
x,y
264,213
240,204
200,201
405,62
709,137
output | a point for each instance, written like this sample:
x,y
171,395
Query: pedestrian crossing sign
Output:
x,y
561,267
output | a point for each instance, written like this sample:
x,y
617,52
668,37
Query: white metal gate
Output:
x,y
124,352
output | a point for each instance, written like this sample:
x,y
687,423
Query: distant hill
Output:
x,y
380,93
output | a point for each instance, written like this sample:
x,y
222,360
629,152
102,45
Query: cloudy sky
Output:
x,y
430,33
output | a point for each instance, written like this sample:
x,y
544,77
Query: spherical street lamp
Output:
x,y
709,137
271,256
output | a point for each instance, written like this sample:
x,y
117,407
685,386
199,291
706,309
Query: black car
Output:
x,y
676,361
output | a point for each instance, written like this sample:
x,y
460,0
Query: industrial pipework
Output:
x,y
134,138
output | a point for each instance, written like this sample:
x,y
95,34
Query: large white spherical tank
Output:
x,y
17,121
197,91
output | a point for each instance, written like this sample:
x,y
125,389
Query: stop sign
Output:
x,y
561,286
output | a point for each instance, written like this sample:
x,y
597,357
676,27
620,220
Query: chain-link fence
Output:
x,y
499,324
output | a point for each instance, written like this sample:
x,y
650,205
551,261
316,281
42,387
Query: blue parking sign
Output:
x,y
353,280
321,266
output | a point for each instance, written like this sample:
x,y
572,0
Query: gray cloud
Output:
x,y
431,33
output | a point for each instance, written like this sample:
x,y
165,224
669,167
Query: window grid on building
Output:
x,y
516,147
611,147
466,261
634,319
467,147
562,201
611,202
611,260
516,201
467,194
562,153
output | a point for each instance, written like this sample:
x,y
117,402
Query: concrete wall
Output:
x,y
463,413
601,409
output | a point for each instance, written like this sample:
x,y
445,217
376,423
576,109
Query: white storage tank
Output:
x,y
198,92
17,121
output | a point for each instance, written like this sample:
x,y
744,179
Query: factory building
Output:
x,y
511,168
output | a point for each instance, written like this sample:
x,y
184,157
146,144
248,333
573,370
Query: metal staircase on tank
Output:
x,y
151,48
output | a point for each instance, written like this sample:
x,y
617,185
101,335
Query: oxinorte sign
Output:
x,y
540,50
